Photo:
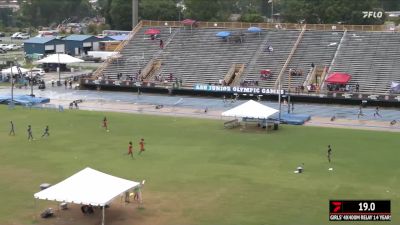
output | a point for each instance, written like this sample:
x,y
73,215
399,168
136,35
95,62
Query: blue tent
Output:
x,y
254,29
223,34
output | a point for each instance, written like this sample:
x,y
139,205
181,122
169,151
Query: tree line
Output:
x,y
118,13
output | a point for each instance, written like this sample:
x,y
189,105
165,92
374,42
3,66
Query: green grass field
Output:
x,y
197,172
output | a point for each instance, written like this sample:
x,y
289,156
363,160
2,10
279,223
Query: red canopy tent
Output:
x,y
338,78
152,31
188,22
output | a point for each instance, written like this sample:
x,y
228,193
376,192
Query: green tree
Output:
x,y
121,14
207,10
328,11
45,12
158,10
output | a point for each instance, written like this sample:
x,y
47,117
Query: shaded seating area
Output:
x,y
252,113
338,82
89,188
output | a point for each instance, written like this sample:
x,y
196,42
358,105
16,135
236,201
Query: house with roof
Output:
x,y
44,45
78,44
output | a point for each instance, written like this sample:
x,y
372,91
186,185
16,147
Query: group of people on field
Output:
x,y
130,146
46,132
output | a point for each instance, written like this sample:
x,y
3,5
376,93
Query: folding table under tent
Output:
x,y
88,187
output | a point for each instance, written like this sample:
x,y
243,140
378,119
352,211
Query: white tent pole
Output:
x,y
102,223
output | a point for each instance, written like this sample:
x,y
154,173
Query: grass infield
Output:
x,y
196,171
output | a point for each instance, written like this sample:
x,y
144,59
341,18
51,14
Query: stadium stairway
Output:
x,y
137,53
282,42
315,47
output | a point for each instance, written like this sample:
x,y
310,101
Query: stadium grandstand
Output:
x,y
296,57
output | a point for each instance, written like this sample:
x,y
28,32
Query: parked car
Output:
x,y
15,35
11,47
36,72
2,34
91,58
23,36
3,47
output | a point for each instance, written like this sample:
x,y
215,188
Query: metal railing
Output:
x,y
287,26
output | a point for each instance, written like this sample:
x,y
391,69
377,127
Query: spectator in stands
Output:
x,y
65,83
312,65
357,87
161,44
170,77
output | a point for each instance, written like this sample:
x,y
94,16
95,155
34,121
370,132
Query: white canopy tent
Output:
x,y
251,109
87,187
60,58
13,70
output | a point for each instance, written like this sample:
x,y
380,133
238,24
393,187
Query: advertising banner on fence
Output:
x,y
242,90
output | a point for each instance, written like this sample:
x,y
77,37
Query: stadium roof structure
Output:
x,y
87,187
251,109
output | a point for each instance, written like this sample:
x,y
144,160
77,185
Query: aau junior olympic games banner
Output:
x,y
228,89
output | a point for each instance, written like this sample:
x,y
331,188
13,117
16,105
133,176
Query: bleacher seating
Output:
x,y
371,58
315,47
282,42
137,53
198,56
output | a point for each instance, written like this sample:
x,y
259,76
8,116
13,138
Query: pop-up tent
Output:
x,y
87,187
223,34
251,109
60,58
395,88
152,31
14,70
338,78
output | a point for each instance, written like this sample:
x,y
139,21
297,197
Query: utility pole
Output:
x,y
135,13
12,84
279,99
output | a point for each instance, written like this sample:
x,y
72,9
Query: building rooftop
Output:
x,y
77,37
39,40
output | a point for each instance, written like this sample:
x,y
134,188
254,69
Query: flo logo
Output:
x,y
372,14
337,205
